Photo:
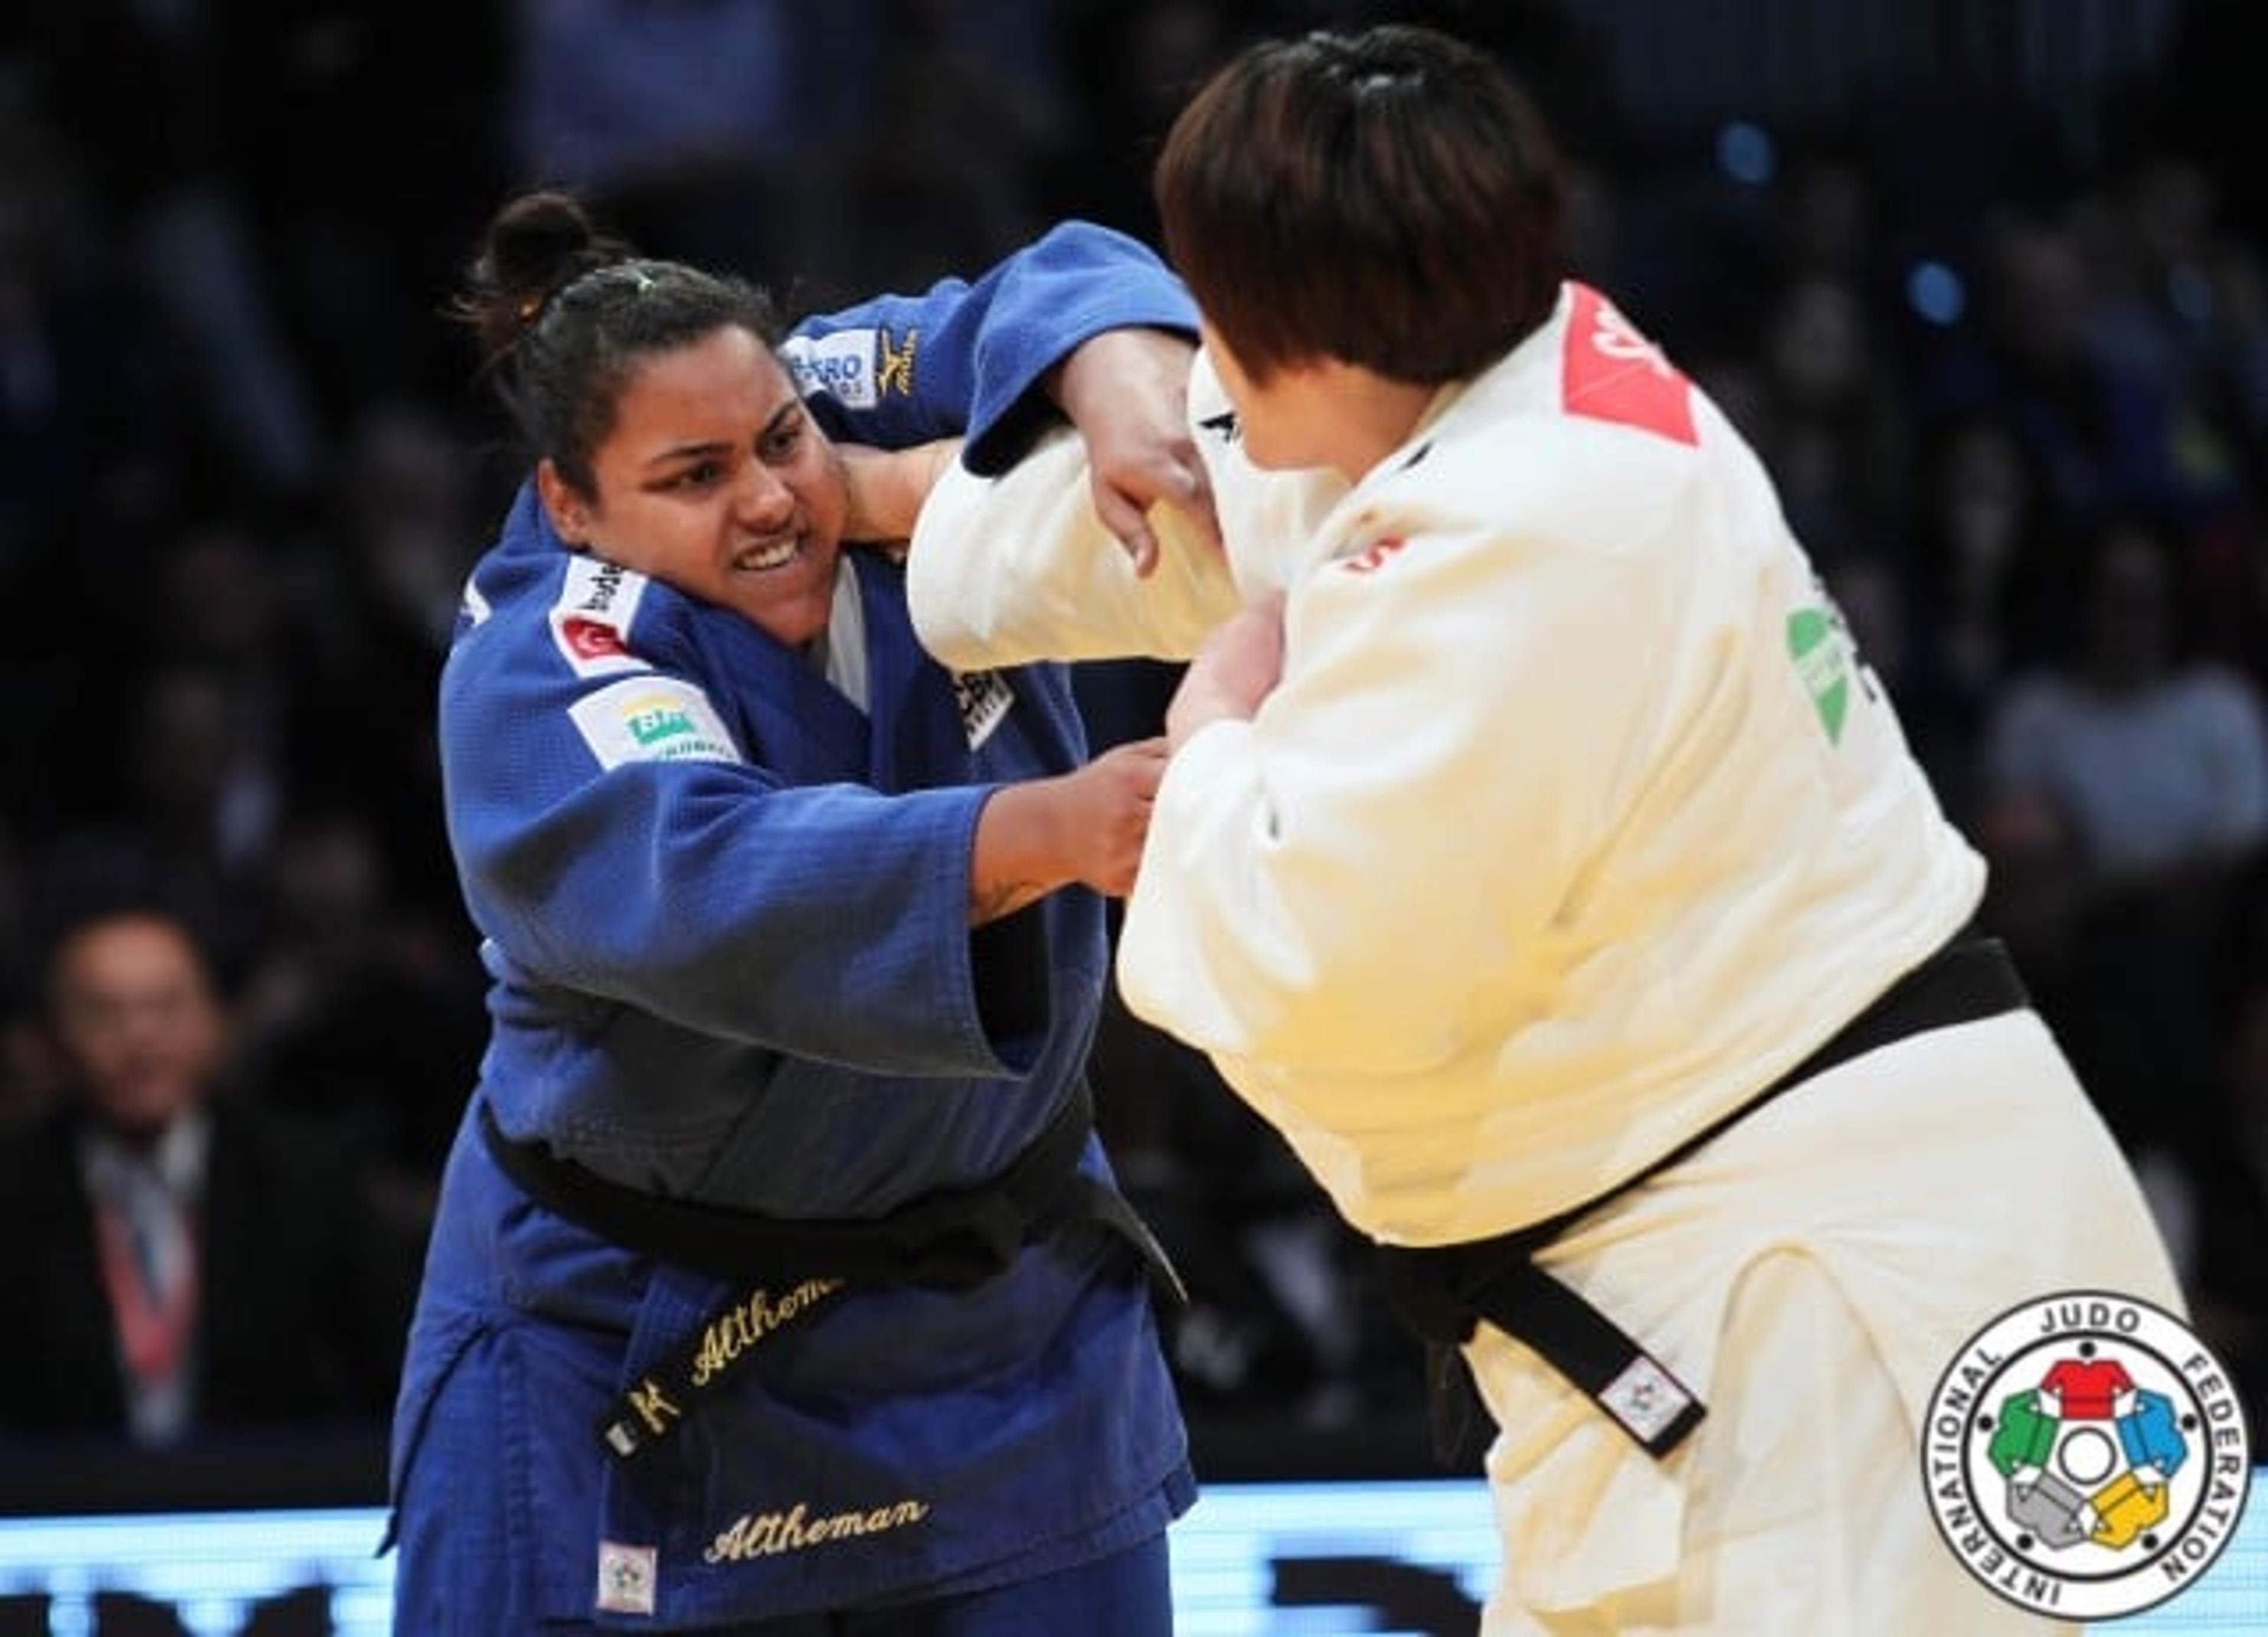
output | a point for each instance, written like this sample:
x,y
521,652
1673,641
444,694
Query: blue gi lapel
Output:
x,y
918,739
792,720
789,718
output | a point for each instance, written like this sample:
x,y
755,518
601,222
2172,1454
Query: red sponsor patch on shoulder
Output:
x,y
1611,372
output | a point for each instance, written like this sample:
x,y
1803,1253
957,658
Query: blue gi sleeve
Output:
x,y
616,840
968,357
703,892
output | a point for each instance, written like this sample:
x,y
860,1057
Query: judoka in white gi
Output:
x,y
1534,816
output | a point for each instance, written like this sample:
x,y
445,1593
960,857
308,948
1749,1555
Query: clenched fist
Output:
x,y
1107,807
1085,826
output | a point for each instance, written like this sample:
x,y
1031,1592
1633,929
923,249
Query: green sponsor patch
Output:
x,y
650,727
1823,662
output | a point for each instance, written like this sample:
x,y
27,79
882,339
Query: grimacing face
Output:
x,y
716,480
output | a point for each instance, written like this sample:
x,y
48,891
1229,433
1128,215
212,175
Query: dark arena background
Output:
x,y
1985,282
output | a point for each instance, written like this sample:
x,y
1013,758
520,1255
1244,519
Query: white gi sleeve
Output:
x,y
1018,568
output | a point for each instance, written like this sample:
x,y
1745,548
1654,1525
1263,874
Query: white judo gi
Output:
x,y
1574,822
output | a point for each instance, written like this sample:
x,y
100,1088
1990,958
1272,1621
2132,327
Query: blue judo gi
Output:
x,y
725,913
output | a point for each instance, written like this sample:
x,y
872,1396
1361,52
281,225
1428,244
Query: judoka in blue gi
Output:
x,y
778,1273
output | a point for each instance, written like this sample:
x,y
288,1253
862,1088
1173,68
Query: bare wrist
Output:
x,y
1018,853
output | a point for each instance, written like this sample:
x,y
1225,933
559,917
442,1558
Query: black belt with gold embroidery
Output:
x,y
950,1239
1441,1291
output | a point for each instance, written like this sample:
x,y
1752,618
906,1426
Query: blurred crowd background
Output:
x,y
1982,279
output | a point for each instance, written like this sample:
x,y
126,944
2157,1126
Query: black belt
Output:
x,y
950,1239
1441,1291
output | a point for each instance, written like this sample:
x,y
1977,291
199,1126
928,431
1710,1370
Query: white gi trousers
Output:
x,y
1810,1273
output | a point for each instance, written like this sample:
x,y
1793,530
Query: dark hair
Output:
x,y
563,315
98,902
1389,198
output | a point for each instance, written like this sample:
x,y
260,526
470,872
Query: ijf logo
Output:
x,y
2086,1455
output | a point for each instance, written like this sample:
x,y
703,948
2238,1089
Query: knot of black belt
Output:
x,y
1441,1292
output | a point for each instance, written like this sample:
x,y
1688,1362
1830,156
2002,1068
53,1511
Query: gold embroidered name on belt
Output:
x,y
648,1412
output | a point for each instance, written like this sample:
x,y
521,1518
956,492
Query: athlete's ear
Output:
x,y
571,518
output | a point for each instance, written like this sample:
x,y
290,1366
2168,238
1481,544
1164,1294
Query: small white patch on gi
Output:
x,y
626,1576
841,366
983,697
651,718
591,621
1645,1398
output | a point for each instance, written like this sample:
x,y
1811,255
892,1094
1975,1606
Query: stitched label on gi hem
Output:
x,y
626,1578
1645,1398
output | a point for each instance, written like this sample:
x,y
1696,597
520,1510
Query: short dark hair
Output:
x,y
1390,198
562,313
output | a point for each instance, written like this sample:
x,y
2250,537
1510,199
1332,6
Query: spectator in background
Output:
x,y
1836,432
2182,299
87,434
27,1077
2125,795
692,127
1974,569
1129,68
192,800
203,1267
358,1009
175,199
403,495
383,568
89,440
2228,1275
267,681
945,170
2111,426
2185,302
364,139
